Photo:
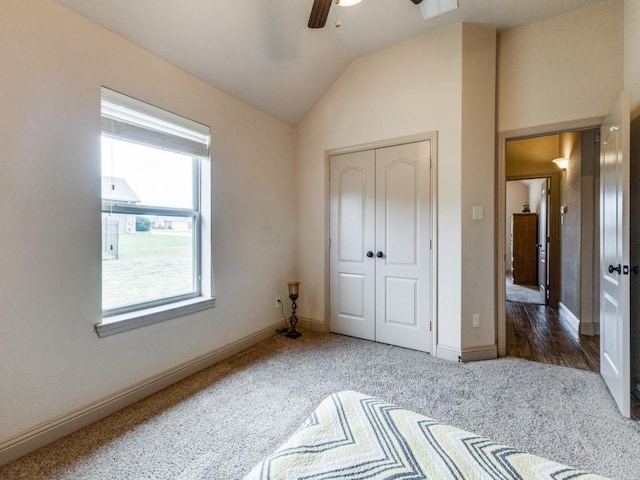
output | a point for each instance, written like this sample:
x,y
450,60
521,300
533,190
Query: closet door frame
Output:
x,y
431,137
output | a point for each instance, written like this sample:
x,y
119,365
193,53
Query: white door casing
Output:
x,y
380,254
614,254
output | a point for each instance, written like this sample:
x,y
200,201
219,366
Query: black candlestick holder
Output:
x,y
293,295
293,333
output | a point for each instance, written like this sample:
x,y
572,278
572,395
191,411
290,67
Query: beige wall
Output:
x,y
565,68
632,53
590,243
52,64
411,88
531,157
478,180
571,227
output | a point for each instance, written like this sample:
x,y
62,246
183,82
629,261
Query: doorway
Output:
x,y
527,242
554,323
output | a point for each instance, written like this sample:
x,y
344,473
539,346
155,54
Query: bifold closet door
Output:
x,y
352,258
403,224
380,254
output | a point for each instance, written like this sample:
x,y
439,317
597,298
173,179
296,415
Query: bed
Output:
x,y
355,436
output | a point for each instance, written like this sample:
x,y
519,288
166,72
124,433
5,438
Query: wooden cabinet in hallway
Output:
x,y
524,240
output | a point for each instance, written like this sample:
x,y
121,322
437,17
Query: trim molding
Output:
x,y
590,329
573,320
313,324
482,352
470,354
452,354
149,316
56,428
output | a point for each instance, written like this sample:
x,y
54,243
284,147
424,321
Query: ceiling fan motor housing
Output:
x,y
320,12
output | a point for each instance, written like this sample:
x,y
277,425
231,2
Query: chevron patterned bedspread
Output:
x,y
354,436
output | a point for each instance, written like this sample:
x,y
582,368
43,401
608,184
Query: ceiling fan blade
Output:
x,y
319,13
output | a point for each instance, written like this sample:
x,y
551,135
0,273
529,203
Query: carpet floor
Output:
x,y
219,423
522,293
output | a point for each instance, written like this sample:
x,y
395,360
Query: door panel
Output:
x,y
401,301
614,254
399,208
352,184
403,232
352,287
352,230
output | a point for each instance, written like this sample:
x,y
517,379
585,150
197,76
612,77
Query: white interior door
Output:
x,y
380,253
614,254
352,233
403,212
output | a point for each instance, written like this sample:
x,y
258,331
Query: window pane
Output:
x,y
146,258
144,175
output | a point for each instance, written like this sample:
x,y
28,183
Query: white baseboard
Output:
x,y
47,432
452,354
469,354
476,354
573,320
313,324
590,329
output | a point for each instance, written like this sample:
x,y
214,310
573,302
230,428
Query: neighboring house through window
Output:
x,y
156,199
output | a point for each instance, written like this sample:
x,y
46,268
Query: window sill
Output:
x,y
141,318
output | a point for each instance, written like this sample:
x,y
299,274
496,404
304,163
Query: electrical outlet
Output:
x,y
278,302
476,320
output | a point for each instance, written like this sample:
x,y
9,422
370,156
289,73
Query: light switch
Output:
x,y
478,213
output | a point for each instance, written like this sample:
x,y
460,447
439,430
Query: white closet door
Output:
x,y
380,254
352,228
403,256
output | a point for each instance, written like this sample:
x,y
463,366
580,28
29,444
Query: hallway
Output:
x,y
541,334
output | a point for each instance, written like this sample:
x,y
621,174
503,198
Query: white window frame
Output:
x,y
132,120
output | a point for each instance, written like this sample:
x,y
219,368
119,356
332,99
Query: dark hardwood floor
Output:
x,y
542,334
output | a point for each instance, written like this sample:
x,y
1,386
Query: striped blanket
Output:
x,y
354,436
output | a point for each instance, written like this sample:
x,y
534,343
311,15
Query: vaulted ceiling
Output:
x,y
261,51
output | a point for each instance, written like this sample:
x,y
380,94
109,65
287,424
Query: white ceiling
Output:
x,y
262,52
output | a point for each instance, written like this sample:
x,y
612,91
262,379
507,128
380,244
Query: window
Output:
x,y
155,213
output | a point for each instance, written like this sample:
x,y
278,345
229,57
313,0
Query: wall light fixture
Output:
x,y
562,163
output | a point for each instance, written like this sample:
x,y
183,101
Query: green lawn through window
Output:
x,y
150,265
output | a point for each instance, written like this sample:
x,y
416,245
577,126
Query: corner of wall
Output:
x,y
478,136
313,325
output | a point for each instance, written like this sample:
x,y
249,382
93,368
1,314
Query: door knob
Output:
x,y
379,254
615,269
369,254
